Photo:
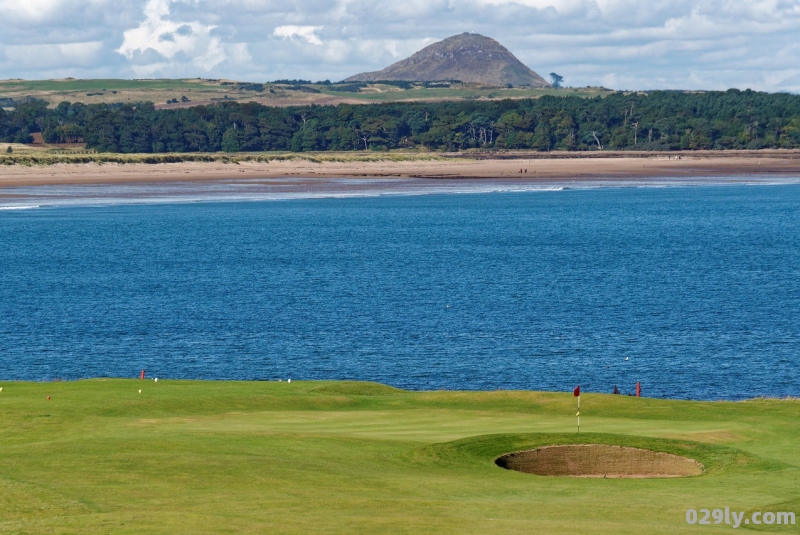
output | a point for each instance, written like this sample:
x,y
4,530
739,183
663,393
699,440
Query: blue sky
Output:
x,y
621,44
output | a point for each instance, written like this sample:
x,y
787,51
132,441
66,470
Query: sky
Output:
x,y
619,44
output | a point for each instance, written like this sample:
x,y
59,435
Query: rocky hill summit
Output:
x,y
468,57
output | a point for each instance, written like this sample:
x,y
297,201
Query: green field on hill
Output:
x,y
71,84
199,91
389,94
344,457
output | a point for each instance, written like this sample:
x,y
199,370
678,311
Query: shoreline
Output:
x,y
535,169
229,381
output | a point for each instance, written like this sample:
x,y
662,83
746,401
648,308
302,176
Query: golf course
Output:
x,y
139,456
193,92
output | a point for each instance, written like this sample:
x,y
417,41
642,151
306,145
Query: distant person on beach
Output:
x,y
616,390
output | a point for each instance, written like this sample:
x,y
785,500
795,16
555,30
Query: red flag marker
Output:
x,y
577,391
638,389
577,394
141,375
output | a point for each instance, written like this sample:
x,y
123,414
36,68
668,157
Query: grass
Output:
x,y
200,91
344,457
98,91
32,155
43,155
455,93
97,84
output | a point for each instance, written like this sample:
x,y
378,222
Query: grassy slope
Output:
x,y
209,91
108,91
312,457
49,155
394,95
95,84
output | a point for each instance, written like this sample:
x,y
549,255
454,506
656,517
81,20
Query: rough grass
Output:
x,y
470,93
25,155
200,91
328,457
98,84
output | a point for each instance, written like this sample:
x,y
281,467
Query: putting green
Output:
x,y
344,457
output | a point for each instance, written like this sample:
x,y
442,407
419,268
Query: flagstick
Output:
x,y
579,414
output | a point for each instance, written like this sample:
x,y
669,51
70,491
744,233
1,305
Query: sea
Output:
x,y
691,289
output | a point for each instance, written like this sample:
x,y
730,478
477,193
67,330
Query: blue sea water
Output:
x,y
693,291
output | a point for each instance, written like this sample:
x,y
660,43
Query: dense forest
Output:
x,y
659,120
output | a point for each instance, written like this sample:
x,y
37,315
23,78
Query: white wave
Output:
x,y
297,188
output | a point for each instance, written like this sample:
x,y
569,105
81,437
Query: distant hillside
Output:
x,y
186,93
468,57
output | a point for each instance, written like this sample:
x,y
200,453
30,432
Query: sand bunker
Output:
x,y
595,460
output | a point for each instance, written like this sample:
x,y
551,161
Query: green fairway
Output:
x,y
342,457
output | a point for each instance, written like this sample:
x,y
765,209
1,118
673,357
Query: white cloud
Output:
x,y
50,56
307,33
627,44
238,53
170,40
28,9
562,6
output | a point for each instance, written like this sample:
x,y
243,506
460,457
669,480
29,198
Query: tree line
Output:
x,y
653,121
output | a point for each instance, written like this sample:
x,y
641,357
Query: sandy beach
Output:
x,y
533,169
